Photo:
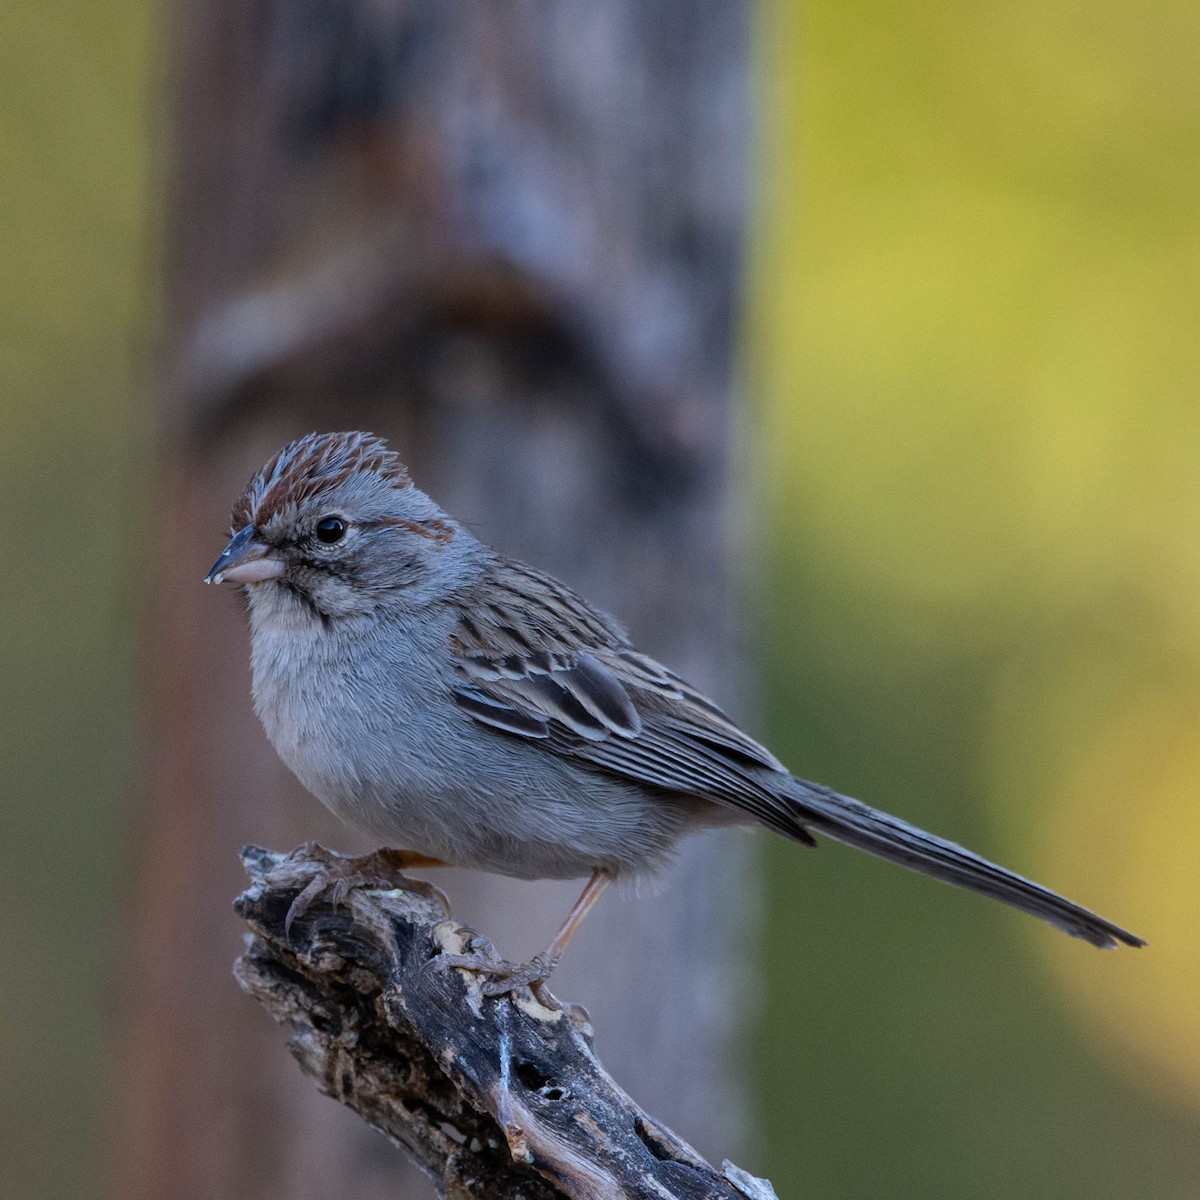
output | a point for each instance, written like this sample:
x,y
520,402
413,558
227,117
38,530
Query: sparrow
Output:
x,y
469,710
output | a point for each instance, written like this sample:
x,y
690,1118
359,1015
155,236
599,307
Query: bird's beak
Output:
x,y
245,560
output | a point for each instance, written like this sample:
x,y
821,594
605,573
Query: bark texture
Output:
x,y
489,1097
506,236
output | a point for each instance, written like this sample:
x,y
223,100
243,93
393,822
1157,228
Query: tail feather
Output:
x,y
859,825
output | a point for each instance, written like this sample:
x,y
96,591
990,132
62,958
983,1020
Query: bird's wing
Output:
x,y
535,660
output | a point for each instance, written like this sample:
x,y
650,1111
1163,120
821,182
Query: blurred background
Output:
x,y
965,471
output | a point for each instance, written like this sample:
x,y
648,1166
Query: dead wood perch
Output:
x,y
491,1098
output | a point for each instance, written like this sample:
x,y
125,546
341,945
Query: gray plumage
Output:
x,y
452,701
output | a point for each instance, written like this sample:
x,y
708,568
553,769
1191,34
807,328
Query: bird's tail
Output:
x,y
857,824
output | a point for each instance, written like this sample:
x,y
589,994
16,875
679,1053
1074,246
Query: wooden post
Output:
x,y
505,235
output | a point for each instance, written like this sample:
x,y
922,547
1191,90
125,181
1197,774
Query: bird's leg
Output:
x,y
499,977
340,873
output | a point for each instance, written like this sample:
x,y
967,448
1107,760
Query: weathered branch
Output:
x,y
491,1098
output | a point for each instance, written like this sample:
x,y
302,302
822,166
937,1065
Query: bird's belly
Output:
x,y
496,816
492,807
420,775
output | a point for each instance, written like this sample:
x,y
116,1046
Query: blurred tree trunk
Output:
x,y
506,236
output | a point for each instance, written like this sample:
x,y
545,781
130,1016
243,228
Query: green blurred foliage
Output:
x,y
972,339
73,144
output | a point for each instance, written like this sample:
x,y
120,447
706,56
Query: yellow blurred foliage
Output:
x,y
1096,760
974,336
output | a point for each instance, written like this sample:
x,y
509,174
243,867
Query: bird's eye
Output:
x,y
330,530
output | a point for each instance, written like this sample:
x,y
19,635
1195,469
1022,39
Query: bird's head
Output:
x,y
334,523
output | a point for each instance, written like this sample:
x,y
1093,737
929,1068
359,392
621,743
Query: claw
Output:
x,y
448,962
342,874
304,899
498,977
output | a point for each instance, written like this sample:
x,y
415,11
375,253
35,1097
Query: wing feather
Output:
x,y
537,661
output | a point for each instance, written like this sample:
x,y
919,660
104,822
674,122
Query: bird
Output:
x,y
470,710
